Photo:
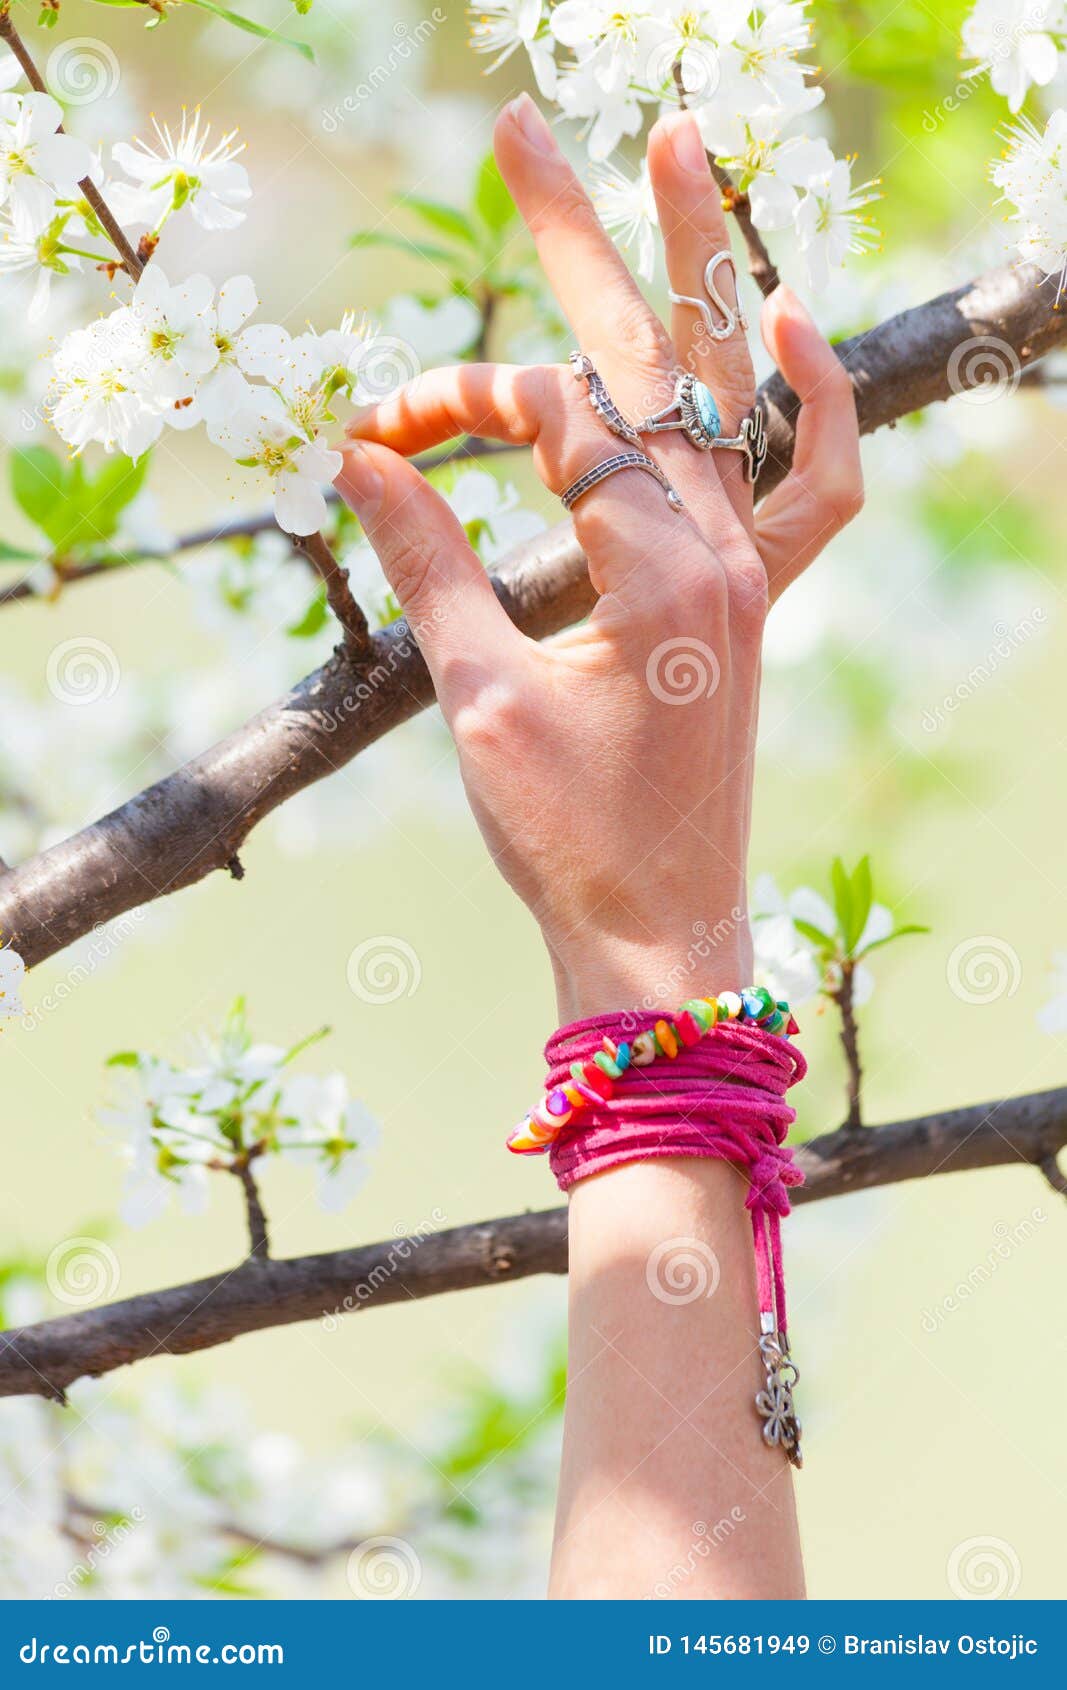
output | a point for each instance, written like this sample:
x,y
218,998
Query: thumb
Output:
x,y
438,578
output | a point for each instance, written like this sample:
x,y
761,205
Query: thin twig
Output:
x,y
131,262
844,997
1054,1174
760,265
358,642
258,1236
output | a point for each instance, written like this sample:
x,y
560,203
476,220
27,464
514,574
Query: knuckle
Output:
x,y
417,573
640,331
492,721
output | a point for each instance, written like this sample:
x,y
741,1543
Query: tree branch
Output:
x,y
131,261
44,1359
192,822
850,1043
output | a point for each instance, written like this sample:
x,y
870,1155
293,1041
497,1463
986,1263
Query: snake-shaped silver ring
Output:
x,y
732,316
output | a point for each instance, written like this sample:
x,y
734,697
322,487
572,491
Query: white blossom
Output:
x,y
626,206
502,26
829,222
1018,42
100,389
37,166
264,437
1032,176
178,171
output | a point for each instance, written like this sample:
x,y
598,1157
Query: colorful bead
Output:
x,y
701,1011
757,1002
687,1028
593,1081
643,1050
665,1039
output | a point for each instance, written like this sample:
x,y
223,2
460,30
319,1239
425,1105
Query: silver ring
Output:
x,y
611,466
693,409
751,440
732,316
601,400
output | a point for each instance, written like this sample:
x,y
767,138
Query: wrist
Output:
x,y
603,972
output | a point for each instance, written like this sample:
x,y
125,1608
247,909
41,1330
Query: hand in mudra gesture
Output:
x,y
610,767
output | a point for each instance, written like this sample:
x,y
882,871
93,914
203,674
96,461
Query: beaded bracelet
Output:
x,y
593,1082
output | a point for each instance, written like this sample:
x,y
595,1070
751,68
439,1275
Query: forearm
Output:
x,y
667,1487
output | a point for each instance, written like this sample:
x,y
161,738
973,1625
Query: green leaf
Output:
x,y
400,243
862,898
444,218
123,1059
313,619
250,27
808,929
115,486
842,890
15,554
38,482
897,933
492,202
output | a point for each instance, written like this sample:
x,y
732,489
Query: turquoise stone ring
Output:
x,y
693,409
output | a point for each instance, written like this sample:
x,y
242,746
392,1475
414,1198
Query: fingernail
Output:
x,y
687,147
532,124
360,482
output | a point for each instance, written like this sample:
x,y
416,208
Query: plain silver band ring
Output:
x,y
611,466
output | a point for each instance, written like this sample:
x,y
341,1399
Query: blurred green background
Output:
x,y
925,1428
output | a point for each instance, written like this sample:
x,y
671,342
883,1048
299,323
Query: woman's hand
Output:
x,y
610,768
